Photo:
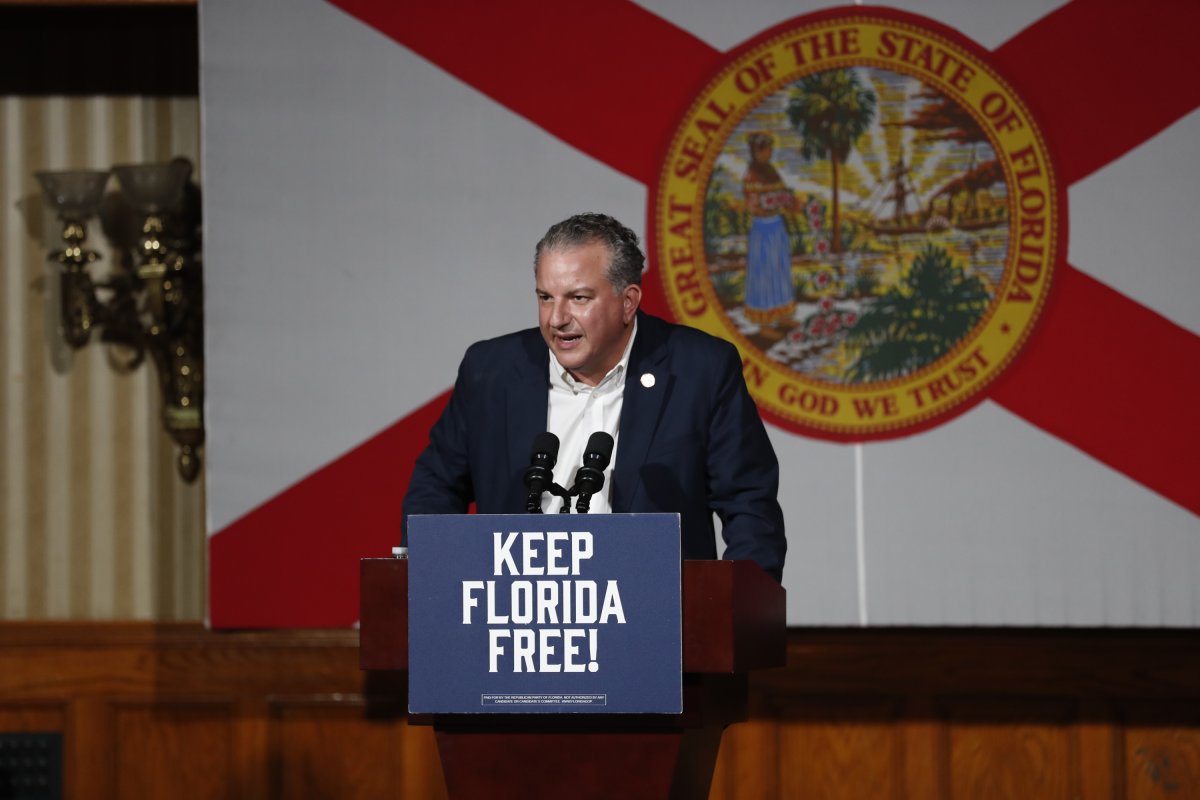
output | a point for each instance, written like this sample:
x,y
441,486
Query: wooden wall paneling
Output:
x,y
422,774
36,717
1098,761
386,696
88,766
1011,747
840,747
310,734
173,710
177,748
924,744
68,666
1160,749
157,709
334,748
747,761
252,748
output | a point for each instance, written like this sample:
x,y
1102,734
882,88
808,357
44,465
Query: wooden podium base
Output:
x,y
583,756
733,622
578,765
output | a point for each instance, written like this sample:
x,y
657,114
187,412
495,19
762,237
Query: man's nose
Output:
x,y
558,315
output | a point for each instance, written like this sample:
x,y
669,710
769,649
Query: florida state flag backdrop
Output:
x,y
956,244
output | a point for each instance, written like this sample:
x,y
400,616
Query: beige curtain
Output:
x,y
94,521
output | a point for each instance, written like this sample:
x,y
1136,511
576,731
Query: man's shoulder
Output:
x,y
499,346
685,340
512,357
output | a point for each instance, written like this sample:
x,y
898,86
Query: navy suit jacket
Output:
x,y
691,443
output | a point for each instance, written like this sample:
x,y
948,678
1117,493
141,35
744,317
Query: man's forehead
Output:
x,y
573,268
591,251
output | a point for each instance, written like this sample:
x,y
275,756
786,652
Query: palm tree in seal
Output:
x,y
831,110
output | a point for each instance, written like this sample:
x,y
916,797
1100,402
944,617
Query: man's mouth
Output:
x,y
568,340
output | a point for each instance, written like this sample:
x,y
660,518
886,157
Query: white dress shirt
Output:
x,y
575,412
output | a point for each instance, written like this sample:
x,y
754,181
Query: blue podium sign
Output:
x,y
536,614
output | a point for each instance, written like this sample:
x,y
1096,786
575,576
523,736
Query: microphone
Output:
x,y
590,477
540,475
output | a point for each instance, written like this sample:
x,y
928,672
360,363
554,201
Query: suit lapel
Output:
x,y
641,407
525,401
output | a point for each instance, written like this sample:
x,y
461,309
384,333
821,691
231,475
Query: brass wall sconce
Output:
x,y
152,299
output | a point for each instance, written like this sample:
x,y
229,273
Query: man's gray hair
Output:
x,y
625,259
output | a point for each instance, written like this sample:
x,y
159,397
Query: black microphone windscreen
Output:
x,y
600,446
545,444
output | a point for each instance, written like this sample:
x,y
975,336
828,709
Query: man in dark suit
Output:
x,y
688,435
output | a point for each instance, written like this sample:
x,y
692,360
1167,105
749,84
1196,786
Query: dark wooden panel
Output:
x,y
144,706
309,735
177,749
922,661
32,717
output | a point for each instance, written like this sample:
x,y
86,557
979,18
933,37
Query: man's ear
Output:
x,y
631,298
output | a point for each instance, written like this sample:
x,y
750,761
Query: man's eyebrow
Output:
x,y
567,293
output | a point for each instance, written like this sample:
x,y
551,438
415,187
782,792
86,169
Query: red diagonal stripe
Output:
x,y
1116,380
293,561
608,78
1103,76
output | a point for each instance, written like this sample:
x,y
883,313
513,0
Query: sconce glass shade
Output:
x,y
75,194
154,188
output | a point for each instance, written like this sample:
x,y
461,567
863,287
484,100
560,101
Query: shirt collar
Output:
x,y
561,378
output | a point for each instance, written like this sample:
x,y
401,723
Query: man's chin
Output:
x,y
571,365
570,357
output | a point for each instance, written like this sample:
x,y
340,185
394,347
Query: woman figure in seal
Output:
x,y
770,296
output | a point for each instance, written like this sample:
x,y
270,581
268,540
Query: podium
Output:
x,y
734,620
